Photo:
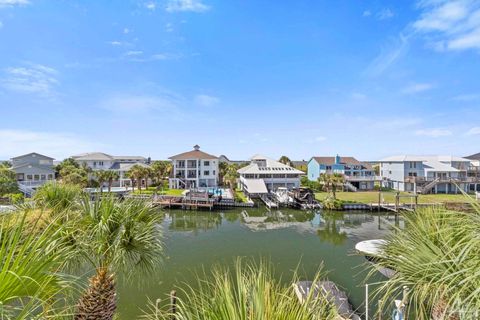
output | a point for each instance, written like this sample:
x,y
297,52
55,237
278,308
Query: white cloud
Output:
x,y
473,131
206,100
126,30
34,78
467,97
117,43
417,87
187,5
1,24
57,145
450,25
433,133
367,13
385,14
320,138
133,53
151,5
359,96
123,103
169,27
12,3
388,56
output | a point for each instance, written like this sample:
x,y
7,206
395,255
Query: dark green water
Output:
x,y
196,240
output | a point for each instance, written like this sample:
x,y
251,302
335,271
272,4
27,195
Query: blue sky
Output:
x,y
301,78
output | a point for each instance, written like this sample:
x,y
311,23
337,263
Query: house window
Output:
x,y
94,163
36,177
100,163
213,172
50,177
206,163
29,177
206,173
43,177
329,167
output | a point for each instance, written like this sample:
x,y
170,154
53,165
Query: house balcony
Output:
x,y
421,180
363,178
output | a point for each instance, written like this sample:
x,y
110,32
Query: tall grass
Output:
x,y
29,262
437,256
248,292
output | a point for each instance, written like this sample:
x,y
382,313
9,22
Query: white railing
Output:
x,y
33,183
363,178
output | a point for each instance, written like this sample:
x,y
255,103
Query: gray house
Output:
x,y
33,169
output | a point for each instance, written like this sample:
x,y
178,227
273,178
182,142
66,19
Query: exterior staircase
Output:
x,y
350,186
28,191
429,186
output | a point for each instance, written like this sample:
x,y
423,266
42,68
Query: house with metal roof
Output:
x,y
97,161
32,170
264,175
427,174
358,175
194,169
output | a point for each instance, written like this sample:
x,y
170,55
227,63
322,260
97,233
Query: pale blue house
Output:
x,y
358,175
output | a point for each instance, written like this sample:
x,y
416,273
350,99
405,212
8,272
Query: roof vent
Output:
x,y
196,147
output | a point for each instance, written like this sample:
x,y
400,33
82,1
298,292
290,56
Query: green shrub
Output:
x,y
15,198
330,203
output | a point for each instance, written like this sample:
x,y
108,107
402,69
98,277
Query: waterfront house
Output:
x,y
101,161
264,175
33,170
427,174
358,175
194,169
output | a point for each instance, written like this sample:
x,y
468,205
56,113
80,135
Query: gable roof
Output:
x,y
36,153
28,165
475,156
93,156
331,160
194,154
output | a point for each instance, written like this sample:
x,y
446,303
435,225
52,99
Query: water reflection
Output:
x,y
332,227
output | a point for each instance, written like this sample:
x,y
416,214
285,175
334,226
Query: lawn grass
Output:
x,y
152,190
369,197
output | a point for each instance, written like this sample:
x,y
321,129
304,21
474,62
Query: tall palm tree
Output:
x,y
135,173
146,174
101,176
161,170
231,175
116,237
285,160
111,176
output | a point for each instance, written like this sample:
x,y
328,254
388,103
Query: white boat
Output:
x,y
373,252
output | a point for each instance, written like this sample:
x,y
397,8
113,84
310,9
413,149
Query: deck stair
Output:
x,y
269,201
429,186
28,191
350,186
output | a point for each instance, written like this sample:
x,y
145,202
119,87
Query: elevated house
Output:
x,y
428,174
474,169
264,175
101,161
32,170
194,169
358,175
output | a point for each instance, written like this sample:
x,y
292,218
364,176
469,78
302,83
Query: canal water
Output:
x,y
290,239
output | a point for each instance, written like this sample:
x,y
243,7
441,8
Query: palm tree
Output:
x,y
135,173
146,174
116,238
331,182
248,292
231,175
285,160
437,256
161,170
101,176
111,176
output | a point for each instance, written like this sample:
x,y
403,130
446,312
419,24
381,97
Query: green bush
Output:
x,y
15,198
330,203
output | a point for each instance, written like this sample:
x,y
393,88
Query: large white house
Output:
x,y
194,169
264,175
102,161
427,174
